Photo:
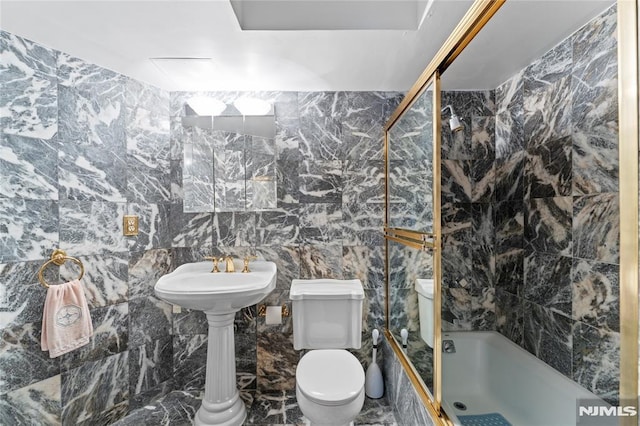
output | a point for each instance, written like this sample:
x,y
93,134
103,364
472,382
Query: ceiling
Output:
x,y
125,35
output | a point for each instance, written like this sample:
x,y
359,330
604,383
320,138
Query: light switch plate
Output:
x,y
130,225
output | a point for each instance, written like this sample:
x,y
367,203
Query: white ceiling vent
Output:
x,y
300,15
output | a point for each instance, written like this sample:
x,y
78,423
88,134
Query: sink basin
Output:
x,y
193,286
220,295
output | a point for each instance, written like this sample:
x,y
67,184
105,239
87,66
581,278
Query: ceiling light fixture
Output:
x,y
204,105
253,106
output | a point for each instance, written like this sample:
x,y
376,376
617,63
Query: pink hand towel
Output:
x,y
66,323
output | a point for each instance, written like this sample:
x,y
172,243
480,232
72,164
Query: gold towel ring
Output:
x,y
58,257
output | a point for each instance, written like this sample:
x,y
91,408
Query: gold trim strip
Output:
x,y
628,151
437,255
410,233
410,243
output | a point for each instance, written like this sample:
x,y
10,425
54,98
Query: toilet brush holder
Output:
x,y
373,383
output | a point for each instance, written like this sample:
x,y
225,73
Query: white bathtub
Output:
x,y
490,374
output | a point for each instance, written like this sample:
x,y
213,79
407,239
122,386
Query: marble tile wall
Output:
x,y
530,218
80,147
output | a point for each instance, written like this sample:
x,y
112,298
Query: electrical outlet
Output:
x,y
130,225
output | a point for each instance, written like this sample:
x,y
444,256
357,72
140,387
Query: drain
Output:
x,y
460,406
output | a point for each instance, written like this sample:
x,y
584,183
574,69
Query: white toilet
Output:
x,y
327,317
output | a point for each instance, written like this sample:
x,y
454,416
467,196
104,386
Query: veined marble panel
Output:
x,y
288,181
75,72
552,67
28,229
510,316
363,138
321,182
321,138
321,261
278,227
403,311
149,319
260,157
234,229
261,194
105,278
145,268
457,266
456,223
176,408
287,260
548,225
177,192
363,183
363,223
483,137
483,179
148,397
88,228
321,223
509,276
39,401
92,157
509,225
153,226
146,96
150,365
364,263
548,170
21,294
596,361
189,361
509,177
411,202
28,168
22,361
456,181
547,281
469,310
547,112
189,229
188,322
95,387
456,145
471,103
374,317
288,142
110,337
28,103
596,227
547,335
323,104
510,116
596,294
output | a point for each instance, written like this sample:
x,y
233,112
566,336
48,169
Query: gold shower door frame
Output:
x,y
480,12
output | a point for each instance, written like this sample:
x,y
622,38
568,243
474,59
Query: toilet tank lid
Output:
x,y
326,289
424,287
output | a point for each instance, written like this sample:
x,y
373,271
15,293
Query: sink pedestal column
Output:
x,y
221,404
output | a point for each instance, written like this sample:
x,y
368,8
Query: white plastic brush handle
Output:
x,y
375,335
405,336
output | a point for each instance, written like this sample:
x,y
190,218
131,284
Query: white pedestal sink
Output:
x,y
220,295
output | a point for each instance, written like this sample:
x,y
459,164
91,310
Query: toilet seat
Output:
x,y
330,376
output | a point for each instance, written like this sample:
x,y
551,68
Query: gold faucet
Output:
x,y
229,263
246,263
215,262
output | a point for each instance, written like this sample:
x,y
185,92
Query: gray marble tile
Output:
x,y
471,103
457,266
278,227
149,397
89,228
39,401
23,56
21,294
28,168
321,138
550,68
596,361
365,263
321,261
509,276
410,208
77,73
288,181
483,137
190,229
548,170
509,225
146,96
94,388
321,223
149,319
547,112
234,229
110,337
22,361
274,408
362,224
177,191
33,231
176,408
510,316
596,231
150,365
547,335
548,224
456,223
189,361
188,322
144,270
105,280
456,145
108,416
153,226
470,310
547,281
321,181
457,182
363,183
373,316
509,177
287,260
510,116
596,294
482,180
363,137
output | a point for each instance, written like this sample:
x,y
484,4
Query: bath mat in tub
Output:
x,y
491,419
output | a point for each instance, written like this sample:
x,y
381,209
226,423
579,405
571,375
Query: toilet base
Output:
x,y
339,415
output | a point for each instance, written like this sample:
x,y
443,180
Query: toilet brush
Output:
x,y
373,384
405,337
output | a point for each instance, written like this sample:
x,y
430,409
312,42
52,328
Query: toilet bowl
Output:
x,y
330,387
327,318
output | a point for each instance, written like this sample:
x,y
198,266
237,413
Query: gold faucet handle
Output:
x,y
215,262
246,263
229,266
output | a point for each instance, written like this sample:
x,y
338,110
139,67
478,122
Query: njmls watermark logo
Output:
x,y
595,412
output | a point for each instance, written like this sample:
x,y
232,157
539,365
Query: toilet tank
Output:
x,y
327,314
